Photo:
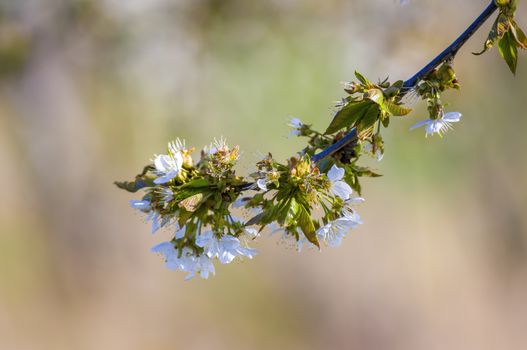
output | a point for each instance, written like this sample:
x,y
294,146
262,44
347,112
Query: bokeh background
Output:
x,y
91,89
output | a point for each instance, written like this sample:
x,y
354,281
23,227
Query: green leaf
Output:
x,y
499,28
509,51
134,186
376,96
364,171
306,225
395,109
141,181
260,218
348,115
362,79
369,118
519,35
197,183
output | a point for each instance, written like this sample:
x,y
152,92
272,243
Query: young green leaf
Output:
x,y
306,225
499,28
370,118
376,96
348,115
362,79
509,51
395,109
519,35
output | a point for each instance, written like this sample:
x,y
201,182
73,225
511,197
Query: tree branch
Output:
x,y
447,54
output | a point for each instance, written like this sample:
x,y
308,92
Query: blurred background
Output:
x,y
91,89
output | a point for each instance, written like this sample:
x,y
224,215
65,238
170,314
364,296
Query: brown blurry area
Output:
x,y
89,90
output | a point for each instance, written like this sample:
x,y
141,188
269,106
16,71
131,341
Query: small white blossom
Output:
x,y
231,248
367,147
167,167
188,262
439,126
226,249
202,265
296,125
333,232
289,239
339,187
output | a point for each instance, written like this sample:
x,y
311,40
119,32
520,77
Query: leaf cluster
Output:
x,y
507,34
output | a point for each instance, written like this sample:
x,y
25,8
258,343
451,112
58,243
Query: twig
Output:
x,y
446,55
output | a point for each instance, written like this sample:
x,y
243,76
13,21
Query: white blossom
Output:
x,y
333,232
226,249
289,239
339,187
296,125
187,262
167,167
439,126
368,148
202,265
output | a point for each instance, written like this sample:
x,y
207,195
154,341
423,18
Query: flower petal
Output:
x,y
421,123
341,189
452,117
262,184
335,173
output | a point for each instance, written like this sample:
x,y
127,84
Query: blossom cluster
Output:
x,y
197,201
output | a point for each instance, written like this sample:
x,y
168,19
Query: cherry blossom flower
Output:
x,y
226,249
339,187
439,126
296,125
167,167
187,262
333,232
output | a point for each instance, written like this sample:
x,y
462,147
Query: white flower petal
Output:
x,y
341,189
335,173
452,117
140,205
180,234
296,123
262,184
421,123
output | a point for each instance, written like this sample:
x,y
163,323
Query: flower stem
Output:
x,y
447,54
